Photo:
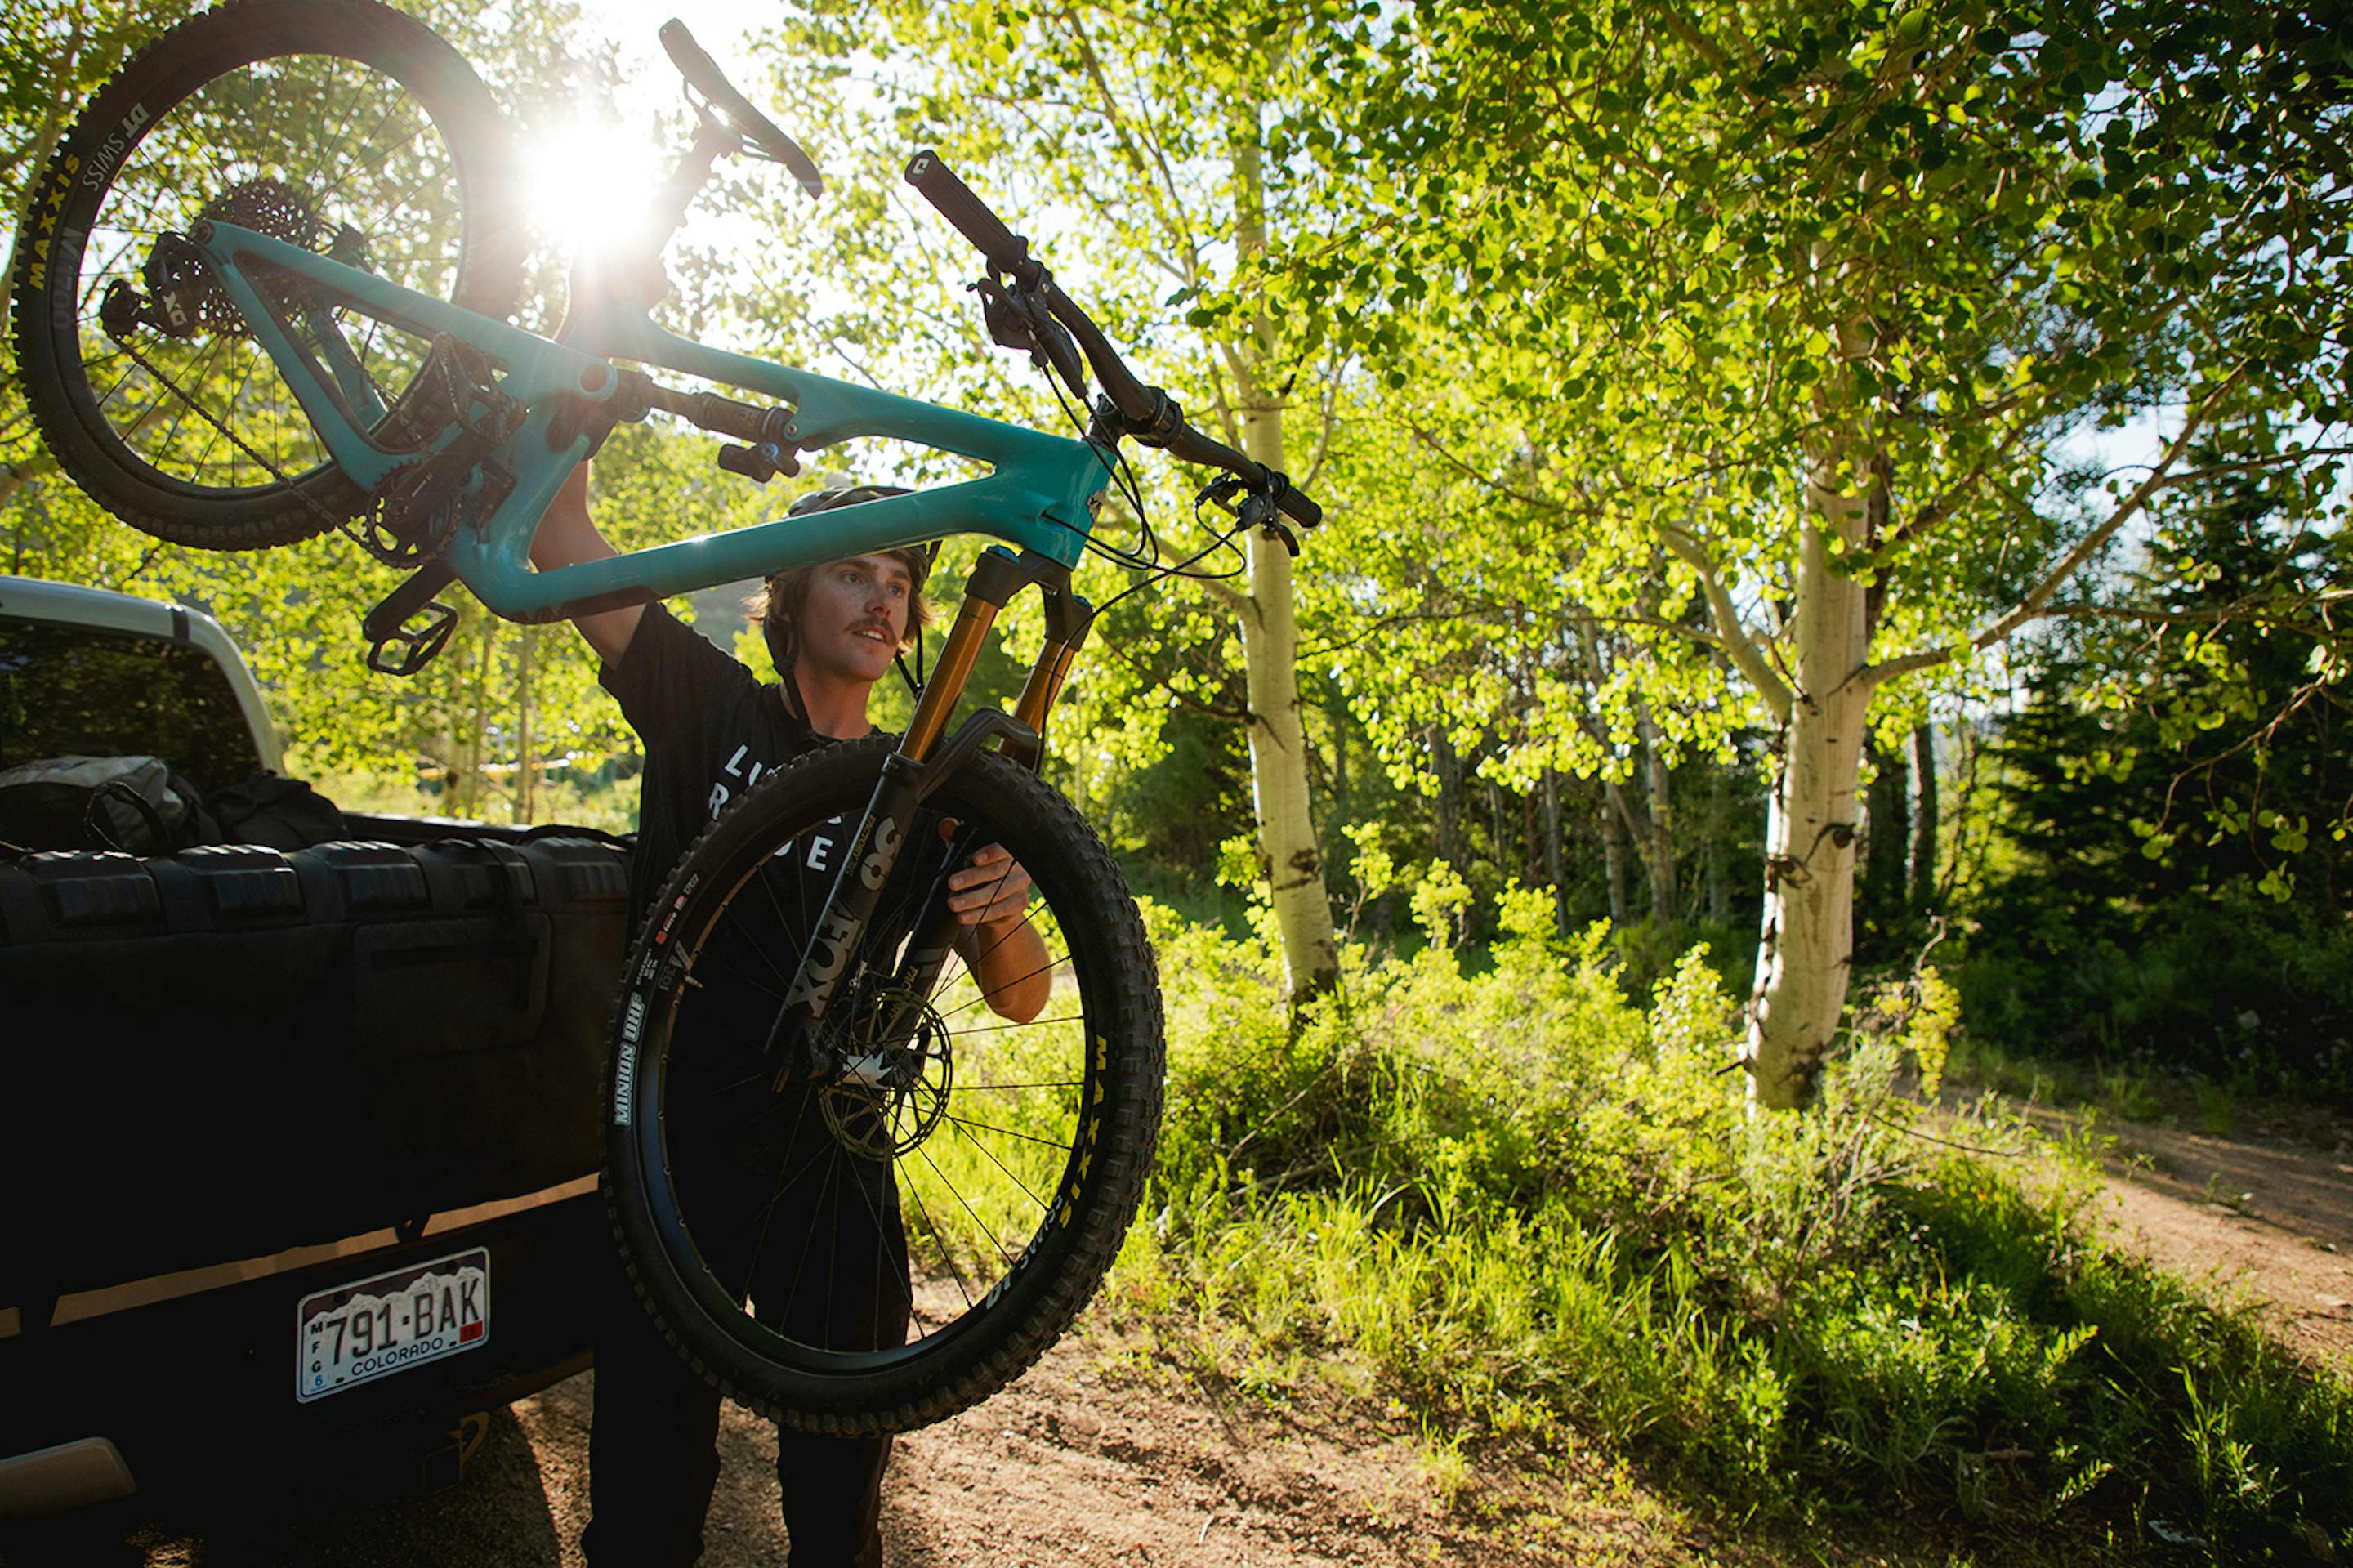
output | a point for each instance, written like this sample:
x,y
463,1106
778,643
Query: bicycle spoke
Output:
x,y
962,1125
1026,1023
947,1254
337,140
968,1122
980,1226
186,403
1048,967
213,443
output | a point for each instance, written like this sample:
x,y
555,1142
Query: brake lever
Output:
x,y
1018,319
1252,510
1009,324
1258,512
1219,492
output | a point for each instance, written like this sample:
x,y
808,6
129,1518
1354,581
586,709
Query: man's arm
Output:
x,y
991,895
567,537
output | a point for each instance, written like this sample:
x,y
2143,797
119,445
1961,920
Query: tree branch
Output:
x,y
1226,594
2035,605
1173,214
1732,636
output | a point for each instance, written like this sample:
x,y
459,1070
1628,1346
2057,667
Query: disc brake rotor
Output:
x,y
892,1086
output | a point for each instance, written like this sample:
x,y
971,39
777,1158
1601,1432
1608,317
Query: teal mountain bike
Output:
x,y
262,290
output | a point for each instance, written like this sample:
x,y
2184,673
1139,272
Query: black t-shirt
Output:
x,y
711,730
739,1150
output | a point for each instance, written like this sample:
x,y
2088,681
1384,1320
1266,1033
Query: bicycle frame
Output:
x,y
1039,496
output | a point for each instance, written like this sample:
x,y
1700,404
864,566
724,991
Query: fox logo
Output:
x,y
828,955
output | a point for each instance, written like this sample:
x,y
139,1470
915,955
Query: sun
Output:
x,y
589,183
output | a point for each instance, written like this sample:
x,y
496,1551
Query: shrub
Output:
x,y
1522,1197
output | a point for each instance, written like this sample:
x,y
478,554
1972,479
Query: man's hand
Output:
x,y
991,890
990,895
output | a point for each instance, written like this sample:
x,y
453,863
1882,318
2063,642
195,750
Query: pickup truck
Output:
x,y
299,1171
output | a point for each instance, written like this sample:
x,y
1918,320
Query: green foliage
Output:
x,y
2171,881
1919,1015
1519,1199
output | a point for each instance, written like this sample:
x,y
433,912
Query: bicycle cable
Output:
x,y
1160,575
1121,473
1147,559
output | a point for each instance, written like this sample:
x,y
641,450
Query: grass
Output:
x,y
2137,1092
1523,1201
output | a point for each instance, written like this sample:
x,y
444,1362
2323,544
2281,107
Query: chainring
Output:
x,y
410,516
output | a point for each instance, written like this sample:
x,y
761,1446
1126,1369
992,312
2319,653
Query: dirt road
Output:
x,y
2265,1220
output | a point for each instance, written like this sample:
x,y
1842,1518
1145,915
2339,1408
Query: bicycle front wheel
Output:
x,y
890,1244
339,125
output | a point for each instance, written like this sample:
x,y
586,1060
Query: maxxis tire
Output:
x,y
1101,1179
48,318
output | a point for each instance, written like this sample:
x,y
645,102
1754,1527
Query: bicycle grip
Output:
x,y
1299,506
1003,248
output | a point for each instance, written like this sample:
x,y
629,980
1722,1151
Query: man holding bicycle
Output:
x,y
831,1260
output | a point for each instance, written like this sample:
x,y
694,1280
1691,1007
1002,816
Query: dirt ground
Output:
x,y
1096,1458
2265,1219
1105,1454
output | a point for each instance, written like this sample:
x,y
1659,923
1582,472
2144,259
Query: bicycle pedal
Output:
x,y
394,647
417,647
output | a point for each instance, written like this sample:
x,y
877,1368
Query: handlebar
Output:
x,y
1150,414
1004,249
702,74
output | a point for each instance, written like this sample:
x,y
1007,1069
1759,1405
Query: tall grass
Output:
x,y
1520,1199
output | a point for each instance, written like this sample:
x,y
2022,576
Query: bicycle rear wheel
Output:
x,y
862,1256
340,125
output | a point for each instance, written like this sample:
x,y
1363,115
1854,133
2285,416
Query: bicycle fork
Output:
x,y
911,774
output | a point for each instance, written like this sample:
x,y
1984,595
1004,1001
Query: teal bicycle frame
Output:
x,y
1039,496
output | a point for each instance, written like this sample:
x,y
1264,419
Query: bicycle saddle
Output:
x,y
703,75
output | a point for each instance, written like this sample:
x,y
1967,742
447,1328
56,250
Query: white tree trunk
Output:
x,y
1805,948
1278,732
1613,853
1656,776
1278,748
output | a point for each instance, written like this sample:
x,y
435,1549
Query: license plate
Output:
x,y
356,1333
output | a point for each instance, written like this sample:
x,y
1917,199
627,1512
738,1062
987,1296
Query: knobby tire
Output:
x,y
1012,1208
145,155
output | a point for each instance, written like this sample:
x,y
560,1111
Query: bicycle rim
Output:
x,y
853,1257
350,131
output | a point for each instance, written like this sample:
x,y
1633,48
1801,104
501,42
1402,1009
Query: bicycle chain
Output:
x,y
340,524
